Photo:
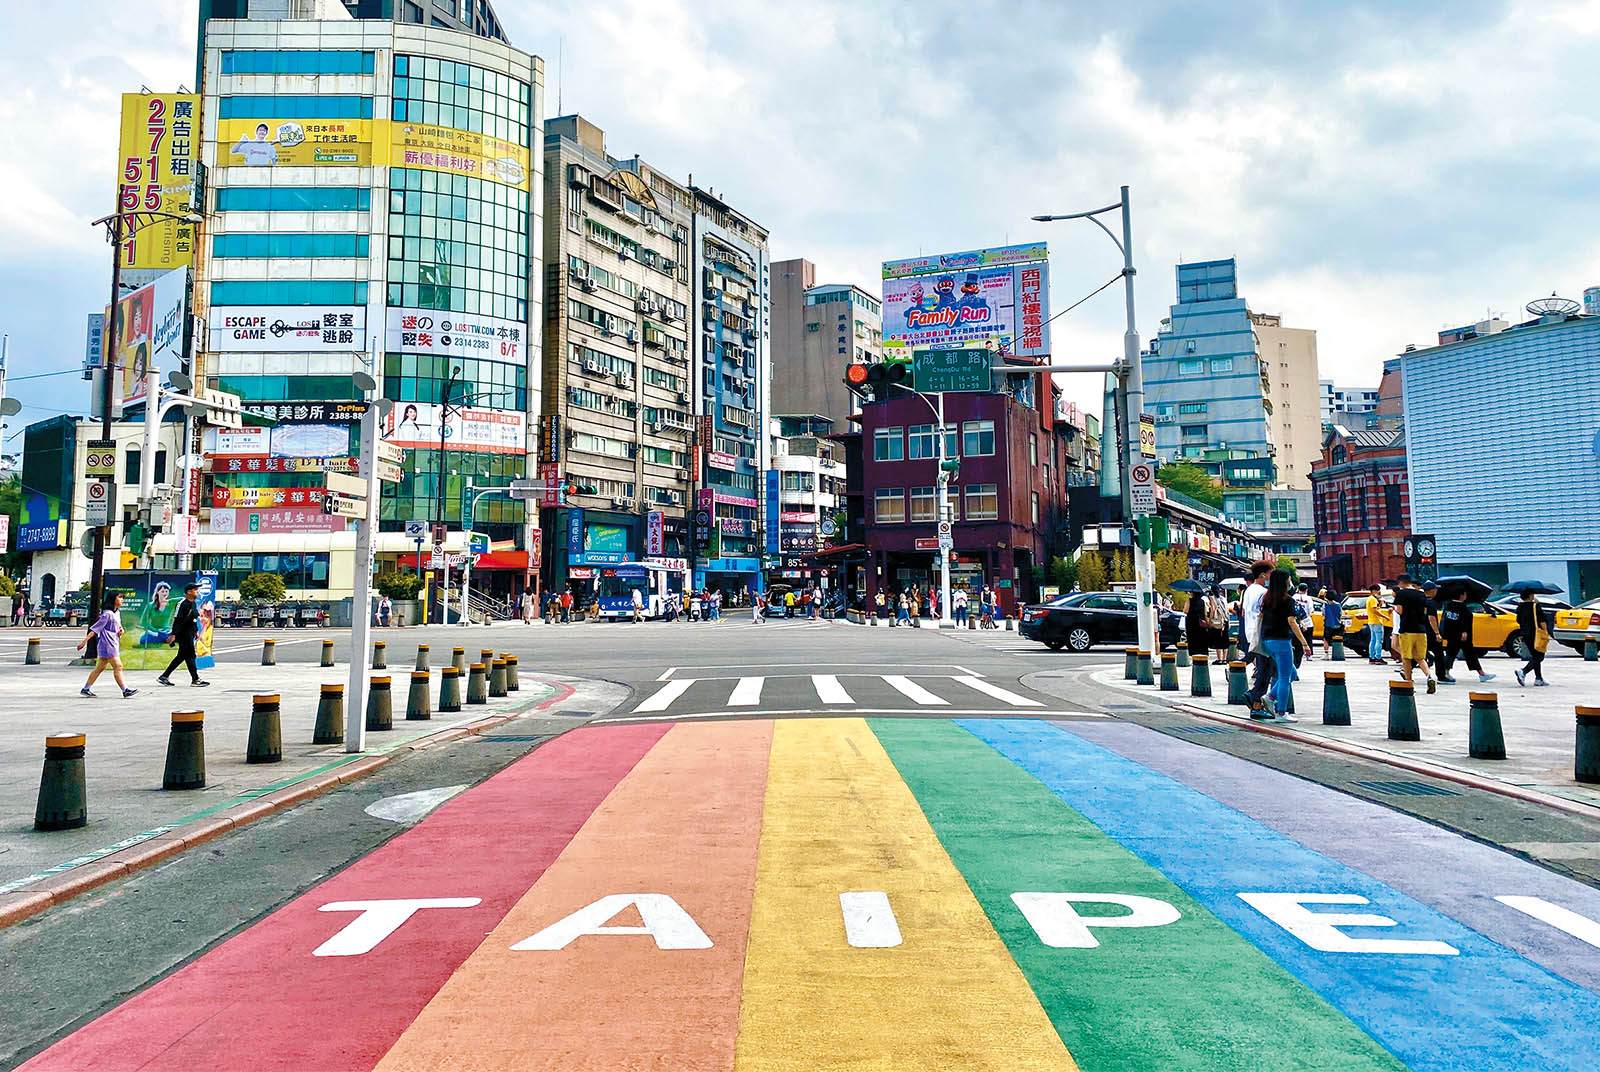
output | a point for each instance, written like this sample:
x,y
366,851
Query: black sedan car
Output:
x,y
1084,619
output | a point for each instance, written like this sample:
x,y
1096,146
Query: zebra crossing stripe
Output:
x,y
747,693
912,691
663,697
998,693
829,690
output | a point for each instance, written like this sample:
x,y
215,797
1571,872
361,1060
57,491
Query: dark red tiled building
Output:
x,y
1362,507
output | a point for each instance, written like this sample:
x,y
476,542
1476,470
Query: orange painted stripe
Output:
x,y
686,823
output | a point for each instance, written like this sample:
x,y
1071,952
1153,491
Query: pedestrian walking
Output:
x,y
185,631
1377,621
1197,627
1263,666
958,607
1530,622
19,614
902,613
1304,612
106,635
530,606
877,602
757,605
1455,631
566,604
1217,618
1332,620
1278,629
638,605
1411,629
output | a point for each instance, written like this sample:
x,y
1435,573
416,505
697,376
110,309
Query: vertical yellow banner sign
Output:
x,y
157,165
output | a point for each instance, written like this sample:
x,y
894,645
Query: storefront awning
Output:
x,y
510,560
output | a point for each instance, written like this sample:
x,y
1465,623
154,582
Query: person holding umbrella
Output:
x,y
1196,622
1455,625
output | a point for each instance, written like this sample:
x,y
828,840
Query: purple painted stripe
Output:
x,y
1449,873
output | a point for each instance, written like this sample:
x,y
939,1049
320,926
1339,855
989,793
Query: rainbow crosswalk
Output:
x,y
897,894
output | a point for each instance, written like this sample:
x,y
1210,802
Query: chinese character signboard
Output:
x,y
300,329
950,370
252,142
156,169
416,425
458,152
149,332
996,297
773,510
439,333
655,535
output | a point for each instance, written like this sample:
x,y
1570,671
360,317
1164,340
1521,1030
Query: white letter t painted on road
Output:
x,y
378,920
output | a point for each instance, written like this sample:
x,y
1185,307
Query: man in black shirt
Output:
x,y
185,631
1413,625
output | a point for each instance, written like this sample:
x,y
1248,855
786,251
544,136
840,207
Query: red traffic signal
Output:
x,y
873,380
856,374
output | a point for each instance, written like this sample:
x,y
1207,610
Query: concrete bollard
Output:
x,y
32,658
330,716
972,621
380,655
1335,699
1238,686
497,678
327,653
1403,712
478,684
422,658
512,684
1200,678
380,705
1130,664
1337,650
186,752
269,652
63,798
1234,654
1591,651
458,659
449,690
486,657
1183,655
1142,668
1485,738
266,732
255,619
1169,671
418,708
873,620
1011,624
1586,751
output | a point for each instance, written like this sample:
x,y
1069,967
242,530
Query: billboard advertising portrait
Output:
x,y
982,298
149,331
149,601
156,169
295,142
299,329
415,425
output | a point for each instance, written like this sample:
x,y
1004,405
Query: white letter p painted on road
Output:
x,y
378,920
1059,926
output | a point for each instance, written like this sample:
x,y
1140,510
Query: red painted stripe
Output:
x,y
262,1001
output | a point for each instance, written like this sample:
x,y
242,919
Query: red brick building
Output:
x,y
1361,506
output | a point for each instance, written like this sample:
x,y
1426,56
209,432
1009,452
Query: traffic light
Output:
x,y
874,381
138,535
1151,533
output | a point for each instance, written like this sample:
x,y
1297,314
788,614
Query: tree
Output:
x,y
1122,566
1287,563
1063,573
1190,480
15,563
1091,572
398,585
262,588
1170,565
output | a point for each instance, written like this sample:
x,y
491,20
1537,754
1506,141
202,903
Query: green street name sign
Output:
x,y
966,369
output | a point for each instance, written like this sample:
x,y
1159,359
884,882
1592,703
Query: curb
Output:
x,y
33,899
1415,766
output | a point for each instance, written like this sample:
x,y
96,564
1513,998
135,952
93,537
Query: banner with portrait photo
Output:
x,y
150,601
149,332
415,425
294,142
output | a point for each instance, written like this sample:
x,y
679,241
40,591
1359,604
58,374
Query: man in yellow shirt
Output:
x,y
1378,621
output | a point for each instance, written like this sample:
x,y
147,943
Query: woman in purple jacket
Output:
x,y
106,634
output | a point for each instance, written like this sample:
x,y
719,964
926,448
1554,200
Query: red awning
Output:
x,y
513,560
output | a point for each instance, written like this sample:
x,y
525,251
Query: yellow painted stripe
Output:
x,y
837,819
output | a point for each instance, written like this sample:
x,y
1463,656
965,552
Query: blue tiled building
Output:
x,y
1502,433
1204,382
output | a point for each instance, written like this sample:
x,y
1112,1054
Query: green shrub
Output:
x,y
262,588
398,585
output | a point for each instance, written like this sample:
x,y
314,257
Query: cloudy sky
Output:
x,y
1379,170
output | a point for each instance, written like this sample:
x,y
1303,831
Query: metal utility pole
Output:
x,y
1130,405
440,528
114,228
355,713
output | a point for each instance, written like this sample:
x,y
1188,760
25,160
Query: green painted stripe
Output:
x,y
1192,994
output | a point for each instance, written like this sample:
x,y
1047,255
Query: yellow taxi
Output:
x,y
1575,625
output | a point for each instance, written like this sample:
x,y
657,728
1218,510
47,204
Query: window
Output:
x,y
813,327
296,62
889,505
289,245
1033,455
288,292
793,481
952,442
977,438
1284,512
983,502
1344,515
1035,507
924,504
888,445
664,456
293,199
1393,515
919,441
1221,364
1193,431
1189,367
594,444
457,243
1189,408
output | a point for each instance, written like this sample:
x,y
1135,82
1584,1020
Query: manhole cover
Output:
x,y
1408,789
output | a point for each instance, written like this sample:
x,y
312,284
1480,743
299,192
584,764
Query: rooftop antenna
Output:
x,y
1553,306
561,44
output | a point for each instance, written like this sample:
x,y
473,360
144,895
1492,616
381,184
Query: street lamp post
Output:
x,y
1131,391
440,528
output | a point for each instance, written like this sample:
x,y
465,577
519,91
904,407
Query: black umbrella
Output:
x,y
1187,585
1538,588
1467,589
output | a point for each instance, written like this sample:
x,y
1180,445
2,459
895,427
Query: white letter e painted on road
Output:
x,y
1320,930
378,920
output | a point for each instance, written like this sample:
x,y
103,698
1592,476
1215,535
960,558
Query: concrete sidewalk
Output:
x,y
1538,723
127,744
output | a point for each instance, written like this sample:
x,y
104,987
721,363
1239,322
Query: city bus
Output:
x,y
660,585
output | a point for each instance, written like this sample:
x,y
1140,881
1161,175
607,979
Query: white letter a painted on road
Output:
x,y
664,920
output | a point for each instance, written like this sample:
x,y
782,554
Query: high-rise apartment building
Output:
x,y
1345,405
1227,385
372,206
618,374
816,332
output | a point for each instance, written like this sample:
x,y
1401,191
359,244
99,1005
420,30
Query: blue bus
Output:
x,y
660,588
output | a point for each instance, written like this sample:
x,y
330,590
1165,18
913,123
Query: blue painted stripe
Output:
x,y
1485,1008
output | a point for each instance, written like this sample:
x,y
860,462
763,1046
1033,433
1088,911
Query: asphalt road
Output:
x,y
773,782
